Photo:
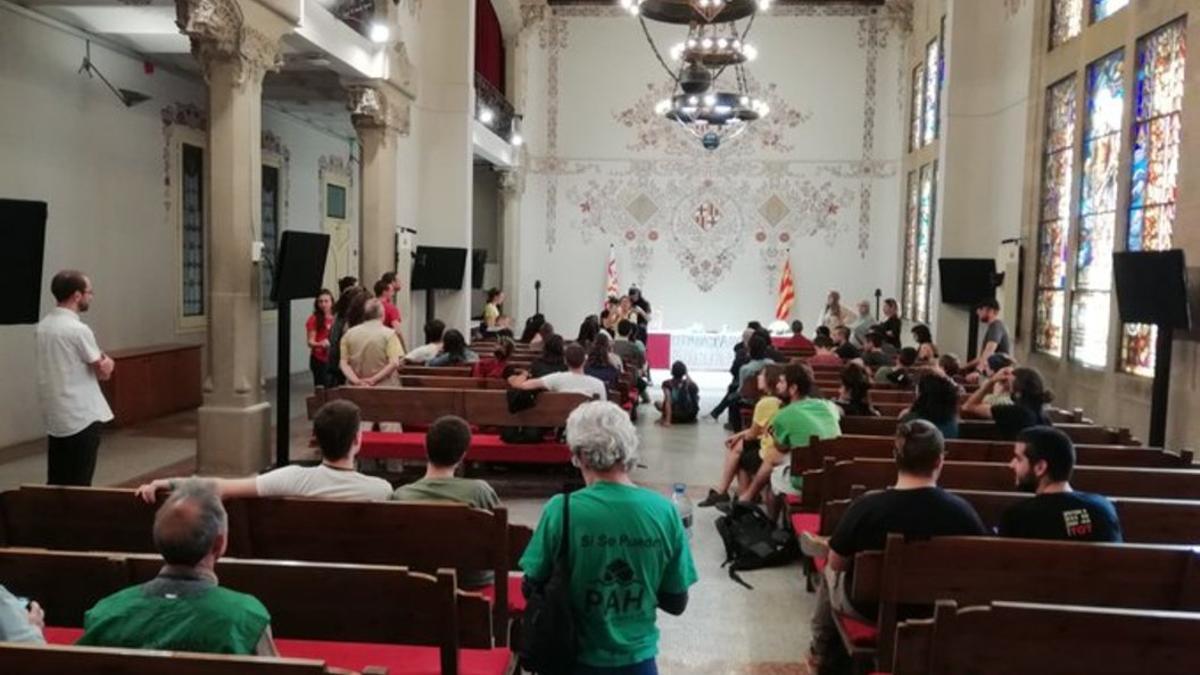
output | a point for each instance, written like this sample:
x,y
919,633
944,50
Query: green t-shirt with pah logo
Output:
x,y
627,546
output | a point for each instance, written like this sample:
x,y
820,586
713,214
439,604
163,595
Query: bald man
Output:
x,y
183,608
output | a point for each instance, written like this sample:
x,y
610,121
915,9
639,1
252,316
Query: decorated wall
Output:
x,y
706,233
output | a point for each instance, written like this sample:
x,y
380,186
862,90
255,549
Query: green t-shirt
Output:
x,y
796,424
209,619
627,546
467,491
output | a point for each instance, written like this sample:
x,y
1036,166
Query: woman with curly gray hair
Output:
x,y
627,551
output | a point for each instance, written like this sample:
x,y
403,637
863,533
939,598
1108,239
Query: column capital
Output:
x,y
511,182
220,33
378,106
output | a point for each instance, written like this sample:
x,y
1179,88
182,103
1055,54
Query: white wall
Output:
x,y
66,140
605,171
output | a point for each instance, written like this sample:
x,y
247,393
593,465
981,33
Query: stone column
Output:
x,y
512,186
380,114
235,44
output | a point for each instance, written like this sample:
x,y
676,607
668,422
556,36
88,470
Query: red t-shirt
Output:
x,y
391,315
490,368
797,342
319,353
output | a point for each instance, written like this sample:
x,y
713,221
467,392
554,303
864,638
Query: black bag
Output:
x,y
548,644
753,541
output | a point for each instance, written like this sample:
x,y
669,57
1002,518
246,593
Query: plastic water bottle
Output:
x,y
683,506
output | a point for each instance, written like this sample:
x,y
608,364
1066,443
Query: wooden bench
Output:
x,y
57,659
986,430
482,408
1009,637
853,446
441,371
1143,521
418,535
837,479
346,615
979,570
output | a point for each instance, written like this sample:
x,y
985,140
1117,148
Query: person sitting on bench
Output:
x,y
183,608
574,380
20,619
1029,395
337,428
1043,459
915,507
446,445
434,330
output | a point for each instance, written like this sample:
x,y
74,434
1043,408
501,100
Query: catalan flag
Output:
x,y
787,293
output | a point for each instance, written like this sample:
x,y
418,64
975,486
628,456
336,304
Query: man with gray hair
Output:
x,y
371,352
183,608
627,546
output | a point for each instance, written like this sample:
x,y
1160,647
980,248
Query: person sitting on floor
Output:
x,y
936,403
681,397
748,449
20,620
337,427
184,608
1043,459
434,330
454,351
1030,397
824,355
446,446
854,395
915,507
574,380
495,366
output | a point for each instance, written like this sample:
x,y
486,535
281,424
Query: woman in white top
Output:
x,y
835,314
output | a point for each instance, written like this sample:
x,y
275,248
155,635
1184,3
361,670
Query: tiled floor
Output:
x,y
727,629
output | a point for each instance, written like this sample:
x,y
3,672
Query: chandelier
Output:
x,y
706,105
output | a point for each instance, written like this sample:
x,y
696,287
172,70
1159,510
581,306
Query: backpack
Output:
x,y
753,541
685,400
549,640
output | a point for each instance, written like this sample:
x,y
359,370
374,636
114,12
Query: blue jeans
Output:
x,y
647,667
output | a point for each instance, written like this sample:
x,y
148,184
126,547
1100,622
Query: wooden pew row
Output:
x,y
1143,521
980,570
482,408
957,450
837,480
1009,637
986,430
391,612
58,659
422,536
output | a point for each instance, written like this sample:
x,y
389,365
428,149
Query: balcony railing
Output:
x,y
493,110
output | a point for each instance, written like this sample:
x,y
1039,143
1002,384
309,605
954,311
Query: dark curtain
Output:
x,y
489,45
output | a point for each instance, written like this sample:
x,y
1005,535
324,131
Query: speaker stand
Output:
x,y
1162,387
972,336
283,382
430,306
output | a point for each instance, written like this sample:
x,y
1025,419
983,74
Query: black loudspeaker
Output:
x,y
967,281
1152,288
23,233
300,269
439,268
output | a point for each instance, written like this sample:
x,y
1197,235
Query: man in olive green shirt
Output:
x,y
183,608
446,444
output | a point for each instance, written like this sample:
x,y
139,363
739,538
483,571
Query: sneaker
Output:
x,y
813,545
714,498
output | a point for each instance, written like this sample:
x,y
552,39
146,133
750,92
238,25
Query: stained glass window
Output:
x,y
918,107
1066,21
1054,221
192,227
1097,210
910,245
924,244
933,77
1102,9
1157,100
270,232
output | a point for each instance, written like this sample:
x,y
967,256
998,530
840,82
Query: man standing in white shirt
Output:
x,y
70,367
574,380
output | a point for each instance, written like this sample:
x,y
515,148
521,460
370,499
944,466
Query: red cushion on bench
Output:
x,y
484,448
61,636
793,500
516,599
860,633
806,522
398,659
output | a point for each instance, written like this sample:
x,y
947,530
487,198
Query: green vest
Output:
x,y
215,621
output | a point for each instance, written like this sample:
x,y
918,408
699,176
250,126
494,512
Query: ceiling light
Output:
x,y
517,140
487,115
379,33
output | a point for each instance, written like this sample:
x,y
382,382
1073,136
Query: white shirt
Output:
x,y
423,353
67,384
576,383
324,482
